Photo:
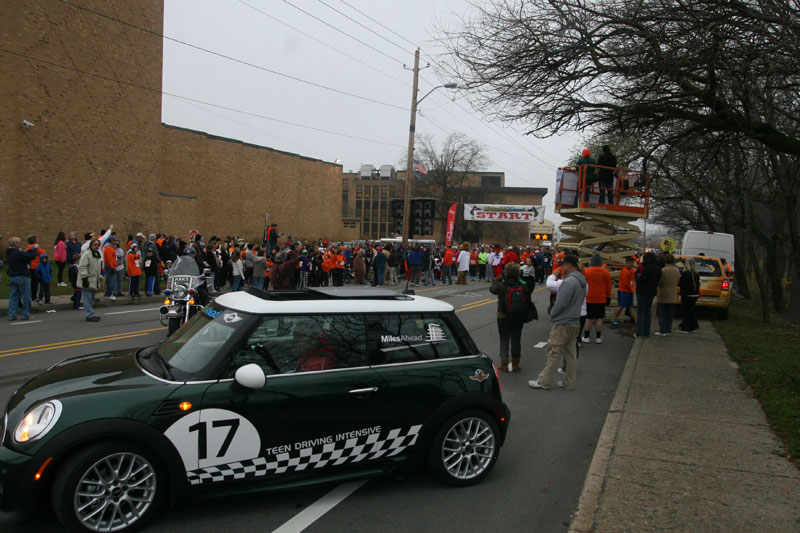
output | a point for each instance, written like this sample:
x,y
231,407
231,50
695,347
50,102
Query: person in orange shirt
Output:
x,y
597,297
473,264
32,239
337,267
327,266
134,261
625,290
110,267
447,264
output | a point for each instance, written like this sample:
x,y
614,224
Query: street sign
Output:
x,y
668,244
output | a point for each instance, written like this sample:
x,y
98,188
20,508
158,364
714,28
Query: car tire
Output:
x,y
127,478
174,324
465,448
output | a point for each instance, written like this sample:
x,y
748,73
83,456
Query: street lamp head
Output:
x,y
451,85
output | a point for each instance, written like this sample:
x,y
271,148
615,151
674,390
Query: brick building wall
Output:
x,y
98,153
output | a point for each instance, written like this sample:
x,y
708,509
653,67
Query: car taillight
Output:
x,y
497,375
726,285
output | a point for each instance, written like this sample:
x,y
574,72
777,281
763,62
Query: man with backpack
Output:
x,y
514,308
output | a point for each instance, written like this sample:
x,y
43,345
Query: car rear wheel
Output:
x,y
111,486
465,448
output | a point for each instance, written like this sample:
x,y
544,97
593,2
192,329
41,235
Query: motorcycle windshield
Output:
x,y
184,266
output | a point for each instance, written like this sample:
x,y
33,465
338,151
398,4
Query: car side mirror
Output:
x,y
250,376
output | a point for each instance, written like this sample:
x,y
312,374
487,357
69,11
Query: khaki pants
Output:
x,y
462,278
562,342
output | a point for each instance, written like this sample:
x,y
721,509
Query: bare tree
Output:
x,y
458,157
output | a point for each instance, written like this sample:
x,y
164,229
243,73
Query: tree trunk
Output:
x,y
774,272
762,285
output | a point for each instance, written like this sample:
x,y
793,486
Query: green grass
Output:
x,y
769,360
5,289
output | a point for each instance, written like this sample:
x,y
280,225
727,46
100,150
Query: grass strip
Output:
x,y
769,359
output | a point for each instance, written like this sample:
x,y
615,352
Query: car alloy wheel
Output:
x,y
111,486
466,448
115,492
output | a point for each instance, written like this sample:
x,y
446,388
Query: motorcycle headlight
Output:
x,y
179,292
37,422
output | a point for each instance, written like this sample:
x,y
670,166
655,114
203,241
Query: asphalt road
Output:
x,y
534,486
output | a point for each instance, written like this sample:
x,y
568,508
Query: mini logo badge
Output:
x,y
479,376
230,318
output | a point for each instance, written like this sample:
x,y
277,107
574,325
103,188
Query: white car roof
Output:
x,y
332,300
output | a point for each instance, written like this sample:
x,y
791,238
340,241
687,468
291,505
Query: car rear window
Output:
x,y
412,337
707,267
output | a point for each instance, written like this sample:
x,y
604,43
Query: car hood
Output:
x,y
85,375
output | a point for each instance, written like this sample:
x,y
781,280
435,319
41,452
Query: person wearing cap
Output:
x,y
587,159
605,176
89,236
565,316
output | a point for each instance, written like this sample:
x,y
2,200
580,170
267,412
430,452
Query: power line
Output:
x,y
189,99
320,41
363,26
342,32
378,23
236,60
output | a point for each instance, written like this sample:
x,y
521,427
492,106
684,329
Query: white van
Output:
x,y
710,244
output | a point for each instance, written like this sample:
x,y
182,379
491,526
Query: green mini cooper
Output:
x,y
260,390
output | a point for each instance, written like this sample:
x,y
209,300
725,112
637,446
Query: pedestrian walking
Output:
x,y
513,304
60,256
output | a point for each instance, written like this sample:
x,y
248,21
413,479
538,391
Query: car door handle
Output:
x,y
364,391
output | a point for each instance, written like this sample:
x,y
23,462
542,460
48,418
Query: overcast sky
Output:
x,y
332,47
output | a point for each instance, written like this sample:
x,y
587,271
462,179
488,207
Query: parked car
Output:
x,y
715,285
258,391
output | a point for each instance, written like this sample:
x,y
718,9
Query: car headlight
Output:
x,y
37,422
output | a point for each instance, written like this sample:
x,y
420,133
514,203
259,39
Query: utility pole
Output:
x,y
410,161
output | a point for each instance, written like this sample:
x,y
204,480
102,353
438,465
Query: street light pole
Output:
x,y
410,160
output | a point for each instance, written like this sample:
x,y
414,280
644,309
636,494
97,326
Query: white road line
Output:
x,y
314,511
136,311
540,344
22,323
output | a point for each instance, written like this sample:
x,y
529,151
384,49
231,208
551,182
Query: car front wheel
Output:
x,y
465,448
110,486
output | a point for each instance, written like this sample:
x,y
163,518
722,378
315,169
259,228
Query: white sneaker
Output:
x,y
112,297
535,385
598,340
561,371
62,284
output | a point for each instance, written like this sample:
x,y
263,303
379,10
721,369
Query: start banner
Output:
x,y
504,213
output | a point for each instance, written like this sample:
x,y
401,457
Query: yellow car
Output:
x,y
715,285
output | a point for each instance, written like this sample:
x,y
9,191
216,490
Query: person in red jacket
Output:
x,y
447,266
598,296
625,290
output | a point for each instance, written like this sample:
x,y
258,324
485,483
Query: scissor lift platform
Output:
x,y
602,225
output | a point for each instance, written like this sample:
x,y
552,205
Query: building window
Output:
x,y
491,181
384,192
392,192
366,191
359,191
358,208
375,190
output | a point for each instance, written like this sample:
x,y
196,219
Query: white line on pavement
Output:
x,y
136,311
26,322
540,344
313,512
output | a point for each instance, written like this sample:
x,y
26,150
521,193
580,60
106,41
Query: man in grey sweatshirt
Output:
x,y
566,319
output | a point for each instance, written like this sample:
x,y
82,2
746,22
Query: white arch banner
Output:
x,y
504,213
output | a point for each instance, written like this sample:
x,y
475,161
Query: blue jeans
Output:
x,y
88,302
258,282
133,285
380,272
118,280
20,289
428,274
665,318
149,283
447,275
643,315
237,280
111,281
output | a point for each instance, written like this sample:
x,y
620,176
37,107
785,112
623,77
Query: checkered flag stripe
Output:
x,y
352,450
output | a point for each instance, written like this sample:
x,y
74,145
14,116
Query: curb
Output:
x,y
594,485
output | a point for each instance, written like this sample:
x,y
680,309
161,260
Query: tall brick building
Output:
x,y
82,145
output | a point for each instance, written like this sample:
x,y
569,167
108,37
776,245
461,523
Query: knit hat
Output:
x,y
586,152
595,261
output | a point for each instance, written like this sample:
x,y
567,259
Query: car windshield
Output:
x,y
184,266
192,351
707,267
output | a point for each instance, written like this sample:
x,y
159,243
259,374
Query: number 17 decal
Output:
x,y
211,437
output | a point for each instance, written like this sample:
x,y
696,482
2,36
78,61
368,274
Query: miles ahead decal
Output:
x,y
219,445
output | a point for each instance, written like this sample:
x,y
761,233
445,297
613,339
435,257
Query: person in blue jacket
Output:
x,y
43,273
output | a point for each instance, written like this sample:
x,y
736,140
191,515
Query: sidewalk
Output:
x,y
685,447
63,303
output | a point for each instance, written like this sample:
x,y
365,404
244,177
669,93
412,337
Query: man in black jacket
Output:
x,y
605,176
18,272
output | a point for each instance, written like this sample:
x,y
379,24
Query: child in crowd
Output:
x,y
43,273
134,270
73,280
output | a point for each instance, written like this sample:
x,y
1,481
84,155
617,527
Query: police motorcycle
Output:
x,y
186,291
